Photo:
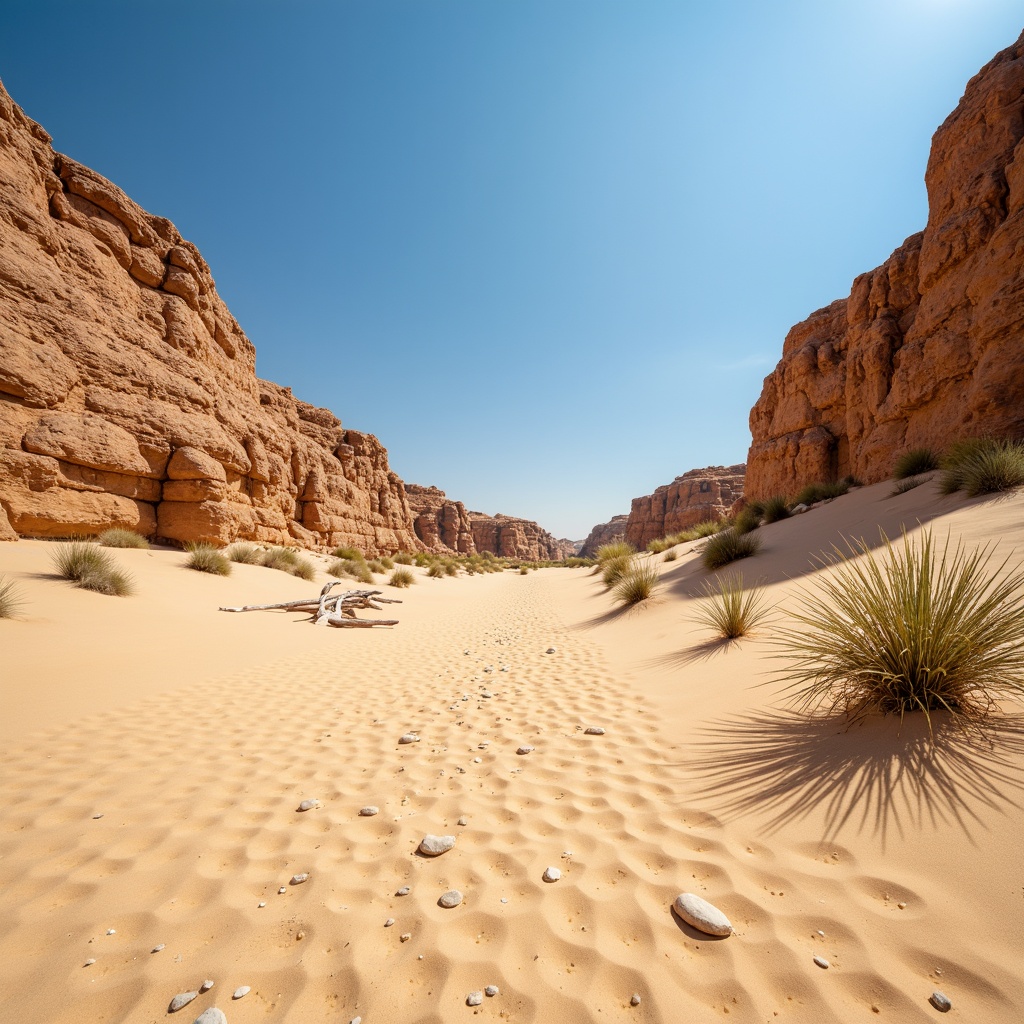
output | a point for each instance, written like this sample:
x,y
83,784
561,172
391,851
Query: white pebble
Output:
x,y
261,904
434,846
409,737
368,812
940,1001
474,998
551,875
308,805
156,949
404,891
206,986
89,963
299,879
111,931
242,990
180,1000
405,936
492,990
822,963
281,891
634,999
356,1020
700,914
462,821
452,898
593,730
389,922
477,760
211,1015
96,817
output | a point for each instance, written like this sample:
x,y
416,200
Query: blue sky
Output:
x,y
545,250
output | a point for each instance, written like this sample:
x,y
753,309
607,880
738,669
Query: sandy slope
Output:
x,y
196,734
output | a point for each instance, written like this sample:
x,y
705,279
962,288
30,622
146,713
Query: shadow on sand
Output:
x,y
871,777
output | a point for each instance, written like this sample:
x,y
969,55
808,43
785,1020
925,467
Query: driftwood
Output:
x,y
332,609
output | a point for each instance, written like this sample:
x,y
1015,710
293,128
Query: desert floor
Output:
x,y
155,751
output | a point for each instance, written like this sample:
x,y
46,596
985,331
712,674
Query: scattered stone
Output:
x,y
405,936
504,899
260,905
434,846
242,990
409,737
634,1000
452,898
180,1000
551,875
797,509
96,817
474,998
156,949
356,1020
593,730
404,891
111,931
551,650
821,934
487,695
525,750
299,879
211,1015
462,821
465,652
206,986
281,891
822,963
901,906
477,760
940,1001
89,963
701,915
492,990
368,812
308,805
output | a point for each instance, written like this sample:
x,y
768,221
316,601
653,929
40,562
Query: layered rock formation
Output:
x,y
440,523
691,498
927,347
604,533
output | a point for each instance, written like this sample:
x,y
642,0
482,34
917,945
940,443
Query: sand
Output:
x,y
155,752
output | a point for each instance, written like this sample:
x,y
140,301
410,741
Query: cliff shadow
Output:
x,y
873,777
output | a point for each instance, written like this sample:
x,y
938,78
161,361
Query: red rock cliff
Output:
x,y
604,533
928,346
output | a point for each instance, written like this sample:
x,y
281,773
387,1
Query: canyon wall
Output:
x,y
441,524
604,533
927,347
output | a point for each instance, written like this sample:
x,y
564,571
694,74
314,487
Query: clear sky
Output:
x,y
545,250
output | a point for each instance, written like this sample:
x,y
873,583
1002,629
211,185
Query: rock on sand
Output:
x,y
700,914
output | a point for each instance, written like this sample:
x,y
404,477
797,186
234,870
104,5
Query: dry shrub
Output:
x,y
10,599
637,583
730,610
91,568
729,546
402,578
207,558
118,537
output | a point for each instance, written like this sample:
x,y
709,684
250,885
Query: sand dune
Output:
x,y
196,734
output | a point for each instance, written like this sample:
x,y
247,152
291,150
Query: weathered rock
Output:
x,y
206,986
242,990
604,533
474,998
925,348
700,914
593,730
180,1000
409,737
940,1001
510,537
492,990
821,962
434,846
551,874
211,1015
369,811
309,805
299,879
452,898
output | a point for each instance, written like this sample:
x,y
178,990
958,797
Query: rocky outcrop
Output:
x,y
517,538
441,524
604,533
691,498
128,393
927,347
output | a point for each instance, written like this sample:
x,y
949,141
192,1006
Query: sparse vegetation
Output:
x,y
749,517
402,578
922,630
983,466
614,569
730,610
436,571
118,537
907,484
707,528
403,558
245,554
91,568
775,508
524,571
671,555
662,544
10,598
387,562
376,565
729,546
348,553
617,549
207,558
814,493
290,561
914,463
637,583
350,568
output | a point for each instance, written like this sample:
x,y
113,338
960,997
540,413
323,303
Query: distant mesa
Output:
x,y
927,347
604,533
130,396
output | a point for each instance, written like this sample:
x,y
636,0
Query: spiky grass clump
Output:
x,y
657,546
524,571
749,517
345,552
923,630
91,568
375,565
118,537
729,546
776,508
637,583
436,571
245,554
730,610
914,463
387,562
10,599
615,568
290,561
403,558
451,567
617,549
907,484
708,528
983,466
813,493
671,555
207,558
402,578
350,568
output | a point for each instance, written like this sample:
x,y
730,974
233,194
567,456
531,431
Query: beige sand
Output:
x,y
195,734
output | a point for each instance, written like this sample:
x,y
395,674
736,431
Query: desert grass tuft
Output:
x,y
207,558
245,554
729,546
118,537
730,610
290,561
660,544
907,484
637,583
776,508
387,562
402,578
617,549
376,565
437,571
923,629
351,568
914,463
671,555
749,517
403,558
451,567
10,599
615,568
347,552
708,528
813,493
983,466
91,568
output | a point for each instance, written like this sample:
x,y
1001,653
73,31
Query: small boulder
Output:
x,y
551,875
940,1001
409,737
593,730
525,750
242,990
821,962
299,879
492,990
452,898
180,1000
474,998
700,914
434,846
211,1016
368,812
308,805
